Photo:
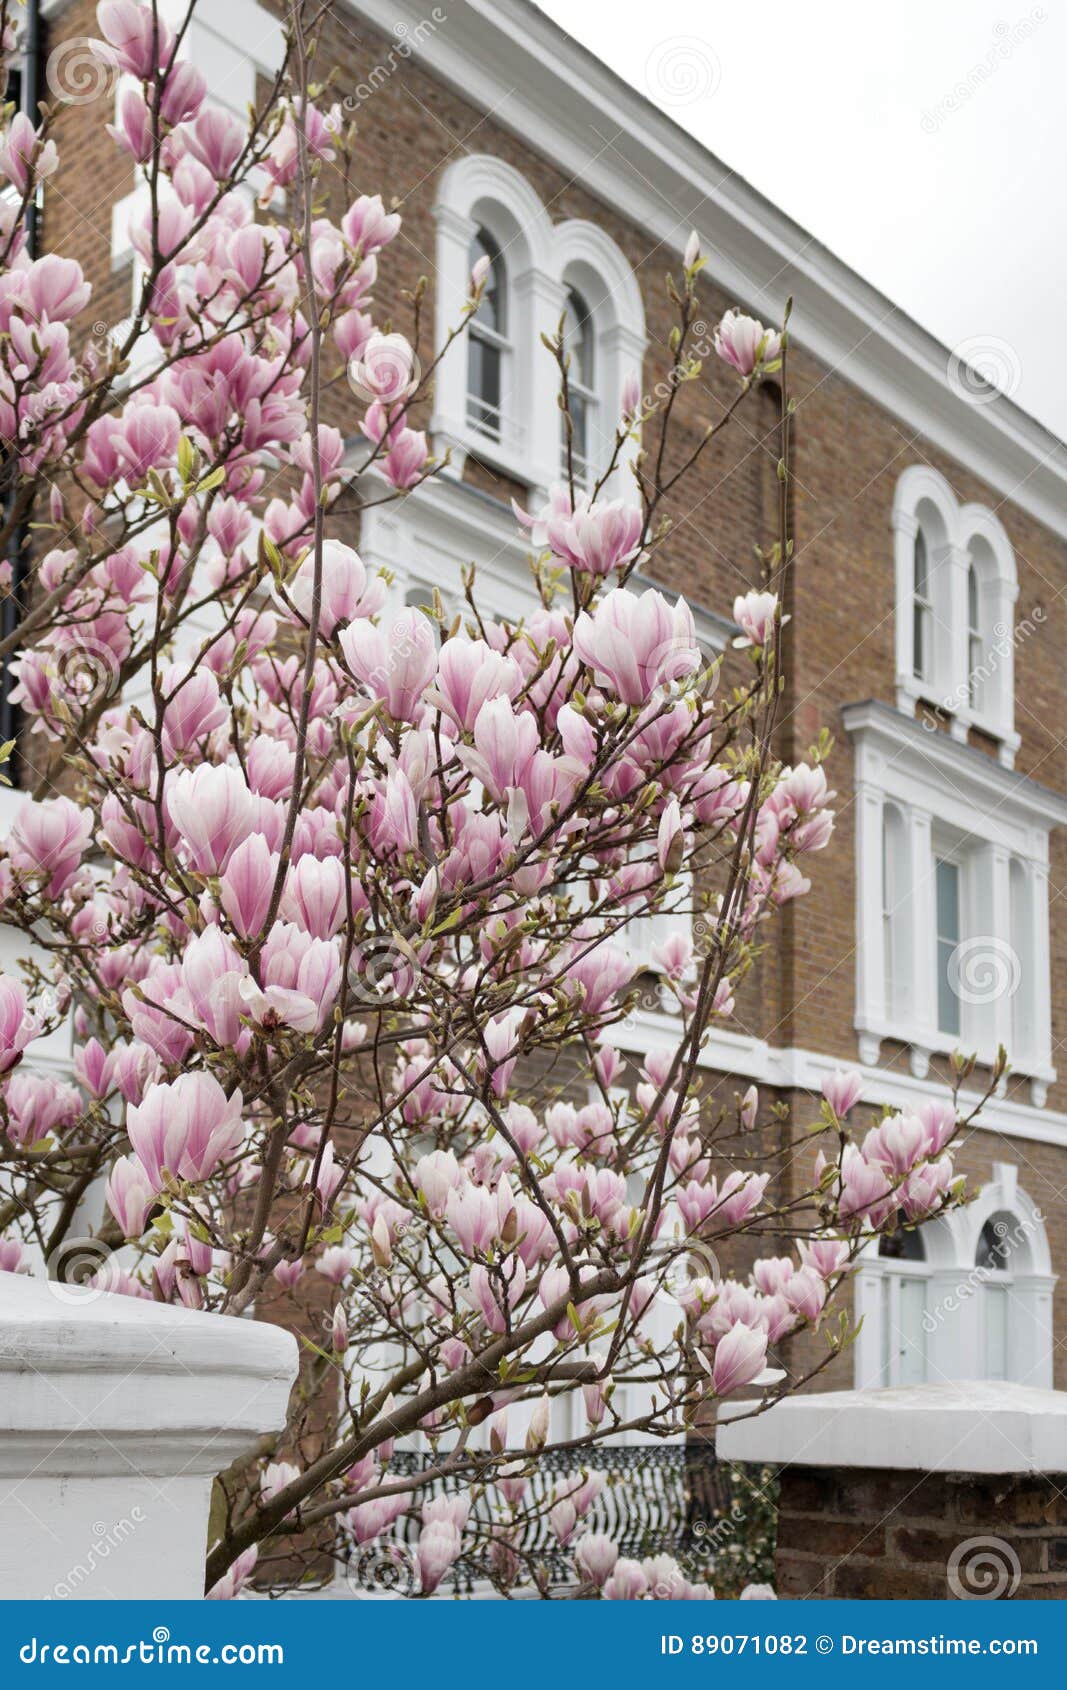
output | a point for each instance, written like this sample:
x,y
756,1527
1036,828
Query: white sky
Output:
x,y
838,113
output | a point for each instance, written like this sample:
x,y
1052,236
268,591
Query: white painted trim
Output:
x,y
972,1427
539,259
956,536
507,58
796,1068
943,787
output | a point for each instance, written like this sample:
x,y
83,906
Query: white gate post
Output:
x,y
115,1416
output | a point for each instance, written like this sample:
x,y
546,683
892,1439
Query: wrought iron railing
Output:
x,y
656,1499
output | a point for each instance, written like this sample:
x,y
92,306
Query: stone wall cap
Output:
x,y
55,1328
968,1426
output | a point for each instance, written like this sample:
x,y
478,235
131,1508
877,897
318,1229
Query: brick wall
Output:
x,y
892,1535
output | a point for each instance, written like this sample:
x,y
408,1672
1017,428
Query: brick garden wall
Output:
x,y
895,1535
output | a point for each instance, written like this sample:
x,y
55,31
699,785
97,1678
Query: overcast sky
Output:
x,y
922,143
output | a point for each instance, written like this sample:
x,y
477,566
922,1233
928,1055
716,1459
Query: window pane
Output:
x,y
911,1339
995,1307
904,1245
580,438
948,937
995,1244
483,403
918,634
578,338
492,309
921,566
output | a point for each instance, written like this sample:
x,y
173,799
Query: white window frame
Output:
x,y
950,797
969,669
542,261
956,1305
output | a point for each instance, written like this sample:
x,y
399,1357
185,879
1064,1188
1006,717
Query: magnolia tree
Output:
x,y
336,897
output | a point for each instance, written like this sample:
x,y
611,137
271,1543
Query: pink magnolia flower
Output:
x,y
186,1127
596,1556
235,1577
394,665
439,1546
598,538
130,1194
301,978
275,1477
347,592
246,884
469,674
472,1215
637,644
131,32
315,896
739,1356
213,811
17,1028
627,1582
754,614
805,1292
50,838
367,225
744,343
406,458
193,709
841,1092
385,369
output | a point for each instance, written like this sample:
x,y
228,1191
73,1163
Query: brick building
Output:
x,y
927,614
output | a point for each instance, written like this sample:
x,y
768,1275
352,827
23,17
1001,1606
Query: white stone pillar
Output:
x,y
115,1416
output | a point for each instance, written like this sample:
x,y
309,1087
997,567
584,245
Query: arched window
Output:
x,y
922,610
579,344
955,588
993,1259
488,345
